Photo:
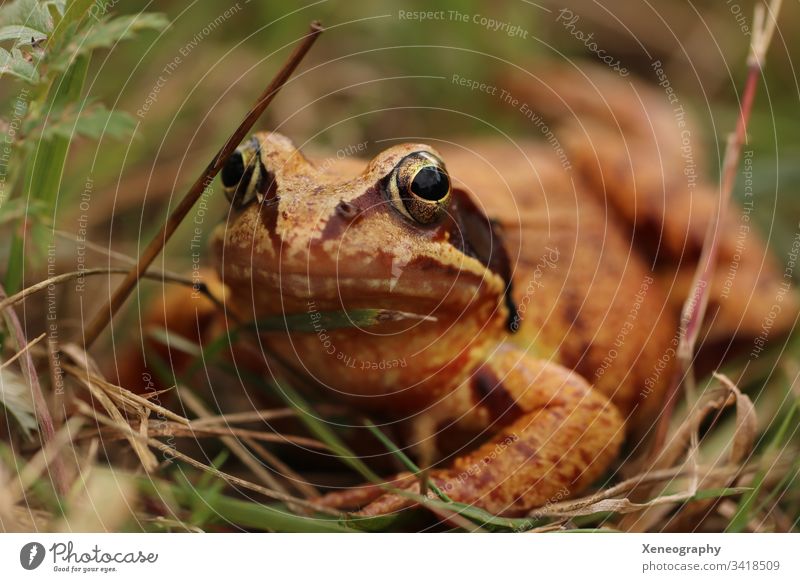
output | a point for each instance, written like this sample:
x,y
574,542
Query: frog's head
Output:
x,y
396,235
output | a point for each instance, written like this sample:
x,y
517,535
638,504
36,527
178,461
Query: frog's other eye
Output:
x,y
419,187
240,174
233,170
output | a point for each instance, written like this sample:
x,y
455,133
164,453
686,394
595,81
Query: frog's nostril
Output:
x,y
233,170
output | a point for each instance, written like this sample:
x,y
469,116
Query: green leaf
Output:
x,y
29,13
104,33
108,33
93,121
15,64
45,173
44,169
57,7
100,121
20,34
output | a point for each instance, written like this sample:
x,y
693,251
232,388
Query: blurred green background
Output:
x,y
202,72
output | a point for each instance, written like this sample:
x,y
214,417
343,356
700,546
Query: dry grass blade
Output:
x,y
694,309
39,403
243,452
621,506
721,473
33,469
22,352
588,505
173,429
172,424
161,276
171,453
238,449
243,417
124,397
146,457
746,422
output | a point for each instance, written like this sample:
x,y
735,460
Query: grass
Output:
x,y
73,105
52,74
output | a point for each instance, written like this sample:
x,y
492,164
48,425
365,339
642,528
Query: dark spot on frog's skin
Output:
x,y
347,210
586,458
490,393
269,219
425,263
346,213
267,186
522,448
571,308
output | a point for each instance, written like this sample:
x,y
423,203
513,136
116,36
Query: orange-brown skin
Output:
x,y
641,153
593,339
296,251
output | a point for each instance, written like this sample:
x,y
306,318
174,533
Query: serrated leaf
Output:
x,y
103,34
109,32
20,34
31,14
15,64
99,121
92,121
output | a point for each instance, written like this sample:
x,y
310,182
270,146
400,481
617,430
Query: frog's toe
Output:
x,y
390,503
354,498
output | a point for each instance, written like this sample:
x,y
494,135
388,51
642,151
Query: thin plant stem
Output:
x,y
105,314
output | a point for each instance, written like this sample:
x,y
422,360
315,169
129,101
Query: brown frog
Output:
x,y
544,281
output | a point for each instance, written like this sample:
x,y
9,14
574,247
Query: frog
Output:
x,y
524,303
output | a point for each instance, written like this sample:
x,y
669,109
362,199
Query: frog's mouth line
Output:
x,y
295,295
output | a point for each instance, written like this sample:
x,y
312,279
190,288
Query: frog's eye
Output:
x,y
240,174
233,170
419,187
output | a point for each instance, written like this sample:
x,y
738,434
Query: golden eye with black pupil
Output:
x,y
419,187
430,183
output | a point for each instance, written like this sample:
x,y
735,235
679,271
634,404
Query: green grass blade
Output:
x,y
246,514
324,433
744,510
407,462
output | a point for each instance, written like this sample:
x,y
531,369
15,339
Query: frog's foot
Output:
x,y
553,437
355,498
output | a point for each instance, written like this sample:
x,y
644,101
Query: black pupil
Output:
x,y
233,170
430,183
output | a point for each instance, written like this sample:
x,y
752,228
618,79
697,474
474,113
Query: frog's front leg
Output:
x,y
552,436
